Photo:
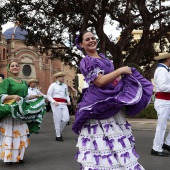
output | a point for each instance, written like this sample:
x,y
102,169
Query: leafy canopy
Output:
x,y
56,22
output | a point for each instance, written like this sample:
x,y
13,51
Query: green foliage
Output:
x,y
48,21
135,66
148,113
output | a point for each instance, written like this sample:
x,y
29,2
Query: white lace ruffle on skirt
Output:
x,y
107,144
14,139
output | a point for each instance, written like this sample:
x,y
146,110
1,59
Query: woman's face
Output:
x,y
89,43
14,68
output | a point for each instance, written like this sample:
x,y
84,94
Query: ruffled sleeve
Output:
x,y
4,89
4,86
90,69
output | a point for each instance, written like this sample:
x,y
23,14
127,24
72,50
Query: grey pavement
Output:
x,y
45,153
145,124
141,124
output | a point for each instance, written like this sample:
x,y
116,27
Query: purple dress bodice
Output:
x,y
90,67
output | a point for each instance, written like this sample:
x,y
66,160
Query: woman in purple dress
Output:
x,y
105,139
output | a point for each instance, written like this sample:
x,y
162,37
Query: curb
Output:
x,y
138,124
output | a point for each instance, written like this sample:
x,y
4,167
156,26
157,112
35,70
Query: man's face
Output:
x,y
168,61
60,79
33,84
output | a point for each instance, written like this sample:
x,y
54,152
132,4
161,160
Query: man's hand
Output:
x,y
17,98
56,103
68,103
38,96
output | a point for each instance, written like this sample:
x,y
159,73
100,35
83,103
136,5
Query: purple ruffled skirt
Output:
x,y
107,144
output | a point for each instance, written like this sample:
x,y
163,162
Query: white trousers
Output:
x,y
163,111
60,117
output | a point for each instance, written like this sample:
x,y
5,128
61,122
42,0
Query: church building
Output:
x,y
32,63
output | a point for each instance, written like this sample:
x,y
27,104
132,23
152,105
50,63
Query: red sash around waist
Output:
x,y
163,95
60,100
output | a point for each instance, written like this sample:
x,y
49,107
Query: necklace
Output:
x,y
16,79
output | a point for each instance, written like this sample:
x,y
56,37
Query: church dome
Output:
x,y
19,34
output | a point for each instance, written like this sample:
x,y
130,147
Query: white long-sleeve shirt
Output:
x,y
35,91
56,90
162,84
162,79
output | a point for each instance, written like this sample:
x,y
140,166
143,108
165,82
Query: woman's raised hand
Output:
x,y
125,70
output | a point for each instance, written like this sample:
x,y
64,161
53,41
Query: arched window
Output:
x,y
46,60
4,53
26,70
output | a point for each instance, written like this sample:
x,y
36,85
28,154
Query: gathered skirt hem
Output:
x,y
13,140
107,144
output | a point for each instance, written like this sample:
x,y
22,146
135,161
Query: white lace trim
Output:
x,y
94,72
3,96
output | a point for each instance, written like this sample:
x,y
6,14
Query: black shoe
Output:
x,y
21,161
60,139
37,132
68,123
8,163
166,147
156,153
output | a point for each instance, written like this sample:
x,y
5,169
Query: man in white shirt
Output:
x,y
59,97
33,91
162,105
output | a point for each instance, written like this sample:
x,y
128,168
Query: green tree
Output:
x,y
48,20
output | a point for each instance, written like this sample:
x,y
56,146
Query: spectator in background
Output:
x,y
80,96
70,107
74,103
85,87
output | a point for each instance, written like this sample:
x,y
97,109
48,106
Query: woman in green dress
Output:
x,y
17,116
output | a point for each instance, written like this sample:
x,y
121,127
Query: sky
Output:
x,y
108,29
6,26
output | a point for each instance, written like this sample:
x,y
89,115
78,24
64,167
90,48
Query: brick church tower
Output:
x,y
32,63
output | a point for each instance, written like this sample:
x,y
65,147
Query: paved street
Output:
x,y
45,153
